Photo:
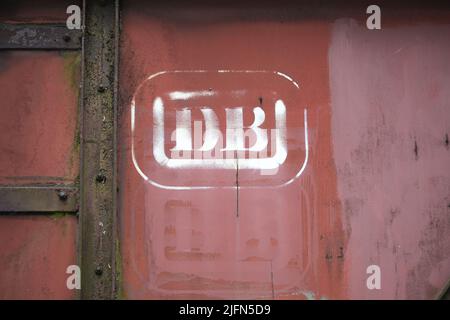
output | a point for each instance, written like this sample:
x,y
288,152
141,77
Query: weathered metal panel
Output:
x,y
374,190
391,119
34,255
39,150
39,114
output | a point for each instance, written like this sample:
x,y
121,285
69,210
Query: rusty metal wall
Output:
x,y
375,188
357,174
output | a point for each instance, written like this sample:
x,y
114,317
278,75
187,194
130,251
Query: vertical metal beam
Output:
x,y
98,165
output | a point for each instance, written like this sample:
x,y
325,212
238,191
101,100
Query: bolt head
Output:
x,y
62,195
100,178
98,271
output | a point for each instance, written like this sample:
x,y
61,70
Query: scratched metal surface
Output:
x,y
366,196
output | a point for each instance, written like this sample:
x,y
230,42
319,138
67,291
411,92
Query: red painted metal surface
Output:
x,y
367,195
34,255
38,126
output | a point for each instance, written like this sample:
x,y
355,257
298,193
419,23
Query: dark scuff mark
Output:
x,y
433,246
5,56
271,280
446,140
416,150
341,253
393,214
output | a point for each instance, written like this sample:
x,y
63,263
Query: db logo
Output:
x,y
213,129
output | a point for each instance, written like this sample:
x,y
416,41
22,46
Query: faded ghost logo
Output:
x,y
222,121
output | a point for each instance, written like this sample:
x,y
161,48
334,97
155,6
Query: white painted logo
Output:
x,y
374,280
227,145
224,158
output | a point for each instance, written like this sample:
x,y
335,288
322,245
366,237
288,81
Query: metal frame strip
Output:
x,y
39,36
98,149
32,199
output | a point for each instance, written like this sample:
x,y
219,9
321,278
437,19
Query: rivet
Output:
x,y
100,178
101,88
98,271
62,195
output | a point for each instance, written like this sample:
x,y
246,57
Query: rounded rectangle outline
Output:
x,y
168,187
